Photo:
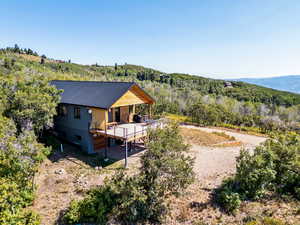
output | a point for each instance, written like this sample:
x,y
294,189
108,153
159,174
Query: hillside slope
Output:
x,y
202,100
57,69
285,83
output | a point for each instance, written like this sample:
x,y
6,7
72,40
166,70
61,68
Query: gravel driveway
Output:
x,y
212,164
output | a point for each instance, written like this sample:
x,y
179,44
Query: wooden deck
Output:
x,y
129,131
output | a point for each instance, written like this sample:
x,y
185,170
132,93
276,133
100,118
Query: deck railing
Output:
x,y
150,125
138,130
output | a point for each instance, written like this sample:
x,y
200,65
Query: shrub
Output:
x,y
26,107
165,171
274,166
255,173
95,207
227,197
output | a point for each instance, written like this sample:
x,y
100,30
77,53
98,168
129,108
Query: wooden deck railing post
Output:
x,y
134,132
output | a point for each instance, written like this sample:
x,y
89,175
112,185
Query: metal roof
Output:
x,y
91,93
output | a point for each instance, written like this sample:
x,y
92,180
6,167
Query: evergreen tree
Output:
x,y
16,49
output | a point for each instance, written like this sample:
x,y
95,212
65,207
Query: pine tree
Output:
x,y
16,49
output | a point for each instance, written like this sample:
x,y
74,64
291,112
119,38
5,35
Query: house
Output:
x,y
93,114
228,84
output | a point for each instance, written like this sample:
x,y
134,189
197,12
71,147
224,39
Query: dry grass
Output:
x,y
56,191
177,118
195,206
198,137
241,130
34,58
229,144
31,57
223,134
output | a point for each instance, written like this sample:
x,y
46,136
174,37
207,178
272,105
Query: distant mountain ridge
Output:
x,y
289,83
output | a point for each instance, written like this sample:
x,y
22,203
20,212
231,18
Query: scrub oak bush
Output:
x,y
26,106
165,171
274,166
19,158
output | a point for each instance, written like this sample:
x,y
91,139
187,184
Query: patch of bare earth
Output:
x,y
204,138
196,207
67,176
61,179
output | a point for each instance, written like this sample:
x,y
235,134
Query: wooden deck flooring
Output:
x,y
129,131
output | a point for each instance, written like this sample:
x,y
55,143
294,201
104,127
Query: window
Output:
x,y
78,137
62,110
62,134
130,109
76,112
117,115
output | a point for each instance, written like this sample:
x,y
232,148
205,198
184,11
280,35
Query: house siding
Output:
x,y
70,128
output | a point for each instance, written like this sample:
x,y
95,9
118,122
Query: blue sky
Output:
x,y
214,38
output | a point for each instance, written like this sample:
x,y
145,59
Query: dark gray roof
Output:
x,y
91,93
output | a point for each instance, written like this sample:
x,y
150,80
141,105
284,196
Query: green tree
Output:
x,y
32,103
19,157
274,166
166,170
16,49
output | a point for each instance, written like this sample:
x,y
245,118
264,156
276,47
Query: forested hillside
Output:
x,y
203,100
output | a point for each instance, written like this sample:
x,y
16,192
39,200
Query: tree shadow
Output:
x,y
212,201
76,155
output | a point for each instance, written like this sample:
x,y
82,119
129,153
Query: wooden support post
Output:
x,y
105,152
134,138
106,140
126,154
